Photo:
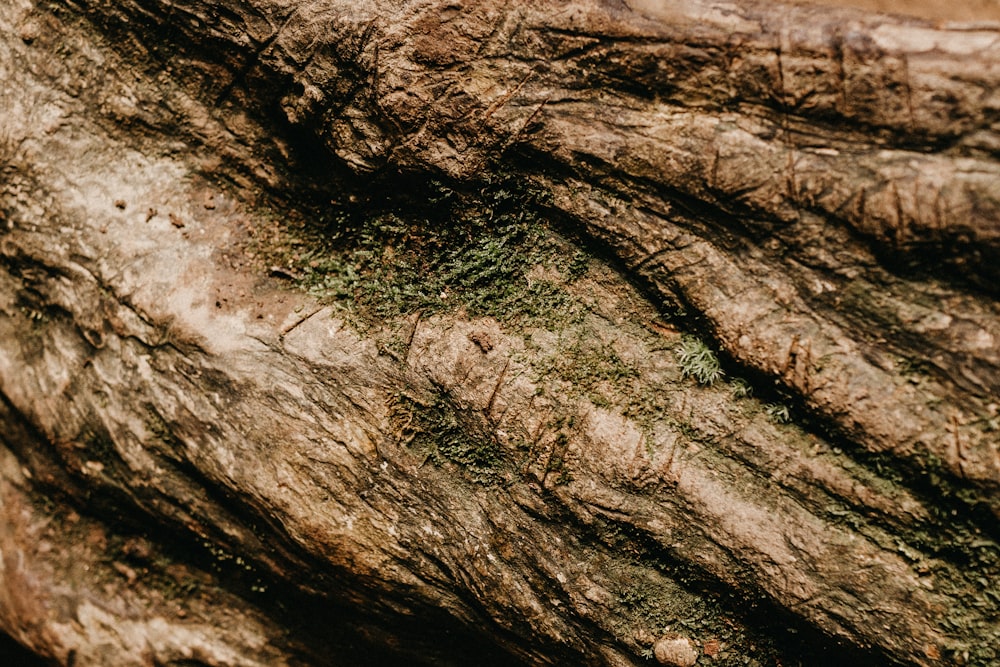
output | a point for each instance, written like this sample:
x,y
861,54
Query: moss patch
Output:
x,y
589,367
430,248
443,433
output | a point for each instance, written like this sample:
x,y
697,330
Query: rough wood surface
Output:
x,y
196,452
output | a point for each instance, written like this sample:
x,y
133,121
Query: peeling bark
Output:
x,y
202,463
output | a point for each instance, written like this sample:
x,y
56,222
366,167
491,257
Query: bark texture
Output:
x,y
203,464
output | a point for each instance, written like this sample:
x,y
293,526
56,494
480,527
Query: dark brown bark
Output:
x,y
203,463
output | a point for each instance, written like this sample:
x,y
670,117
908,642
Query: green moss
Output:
x,y
950,546
431,248
161,432
444,433
590,367
579,265
778,413
557,464
741,388
638,602
697,361
100,447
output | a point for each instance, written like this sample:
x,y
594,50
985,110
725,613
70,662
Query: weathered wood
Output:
x,y
816,188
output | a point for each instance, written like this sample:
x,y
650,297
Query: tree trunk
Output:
x,y
546,332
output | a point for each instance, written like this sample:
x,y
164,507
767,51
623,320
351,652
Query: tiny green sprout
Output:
x,y
698,361
741,388
778,413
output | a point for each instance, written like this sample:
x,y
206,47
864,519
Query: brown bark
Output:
x,y
201,462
